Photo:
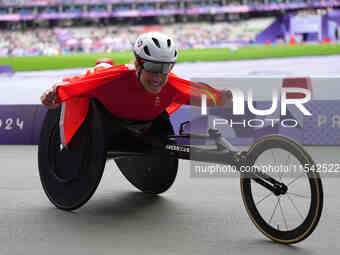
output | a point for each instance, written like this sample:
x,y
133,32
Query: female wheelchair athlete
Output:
x,y
70,176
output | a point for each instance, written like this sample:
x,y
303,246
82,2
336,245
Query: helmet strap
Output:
x,y
138,74
140,69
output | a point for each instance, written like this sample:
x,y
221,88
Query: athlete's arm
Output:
x,y
226,97
50,97
190,93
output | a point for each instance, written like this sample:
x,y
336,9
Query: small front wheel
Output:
x,y
291,216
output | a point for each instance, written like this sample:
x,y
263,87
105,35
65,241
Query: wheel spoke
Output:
x,y
292,181
282,214
298,195
294,205
277,203
265,197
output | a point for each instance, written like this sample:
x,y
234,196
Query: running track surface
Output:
x,y
195,216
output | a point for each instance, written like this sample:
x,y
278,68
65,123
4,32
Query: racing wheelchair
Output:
x,y
286,208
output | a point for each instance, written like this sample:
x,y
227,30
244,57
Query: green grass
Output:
x,y
259,52
188,55
62,62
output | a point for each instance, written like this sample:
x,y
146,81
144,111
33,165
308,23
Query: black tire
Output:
x,y
307,221
70,177
152,174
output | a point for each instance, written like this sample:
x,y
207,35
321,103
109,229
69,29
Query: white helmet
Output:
x,y
155,47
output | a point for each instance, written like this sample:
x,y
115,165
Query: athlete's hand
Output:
x,y
226,97
48,98
105,60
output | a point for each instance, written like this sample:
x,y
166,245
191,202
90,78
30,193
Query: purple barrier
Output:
x,y
21,124
6,70
238,129
39,116
323,127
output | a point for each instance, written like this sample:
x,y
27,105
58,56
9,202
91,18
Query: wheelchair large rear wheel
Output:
x,y
70,176
153,174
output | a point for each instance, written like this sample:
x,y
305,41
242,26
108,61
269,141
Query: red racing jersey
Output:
x,y
119,90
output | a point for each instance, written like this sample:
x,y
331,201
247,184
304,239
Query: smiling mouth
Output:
x,y
155,84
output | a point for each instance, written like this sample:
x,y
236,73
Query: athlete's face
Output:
x,y
152,82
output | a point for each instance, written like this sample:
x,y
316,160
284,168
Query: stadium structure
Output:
x,y
51,27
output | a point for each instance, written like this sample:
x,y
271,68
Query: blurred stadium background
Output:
x,y
60,27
